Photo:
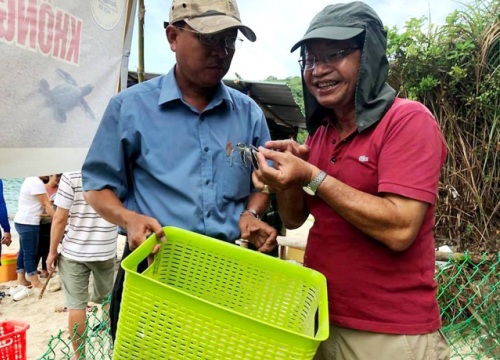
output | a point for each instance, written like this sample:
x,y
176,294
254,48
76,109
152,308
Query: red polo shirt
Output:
x,y
371,287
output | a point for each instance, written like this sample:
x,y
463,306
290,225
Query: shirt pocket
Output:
x,y
236,179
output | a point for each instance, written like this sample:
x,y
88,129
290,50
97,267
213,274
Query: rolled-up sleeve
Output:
x,y
105,166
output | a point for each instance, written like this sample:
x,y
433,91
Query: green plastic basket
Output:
x,y
202,298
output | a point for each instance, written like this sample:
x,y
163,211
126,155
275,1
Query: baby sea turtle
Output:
x,y
66,96
247,153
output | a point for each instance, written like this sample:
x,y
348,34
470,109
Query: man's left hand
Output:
x,y
258,233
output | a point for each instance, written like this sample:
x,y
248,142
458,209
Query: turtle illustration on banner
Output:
x,y
66,96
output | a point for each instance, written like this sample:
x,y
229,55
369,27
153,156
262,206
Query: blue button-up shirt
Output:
x,y
4,216
165,159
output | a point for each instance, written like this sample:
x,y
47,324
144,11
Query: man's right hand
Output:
x,y
140,227
291,146
52,261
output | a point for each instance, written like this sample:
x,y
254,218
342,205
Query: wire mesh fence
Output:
x,y
469,299
95,343
468,295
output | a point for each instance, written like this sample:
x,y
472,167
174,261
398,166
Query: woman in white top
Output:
x,y
33,201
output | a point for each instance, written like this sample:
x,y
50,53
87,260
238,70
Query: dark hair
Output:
x,y
181,24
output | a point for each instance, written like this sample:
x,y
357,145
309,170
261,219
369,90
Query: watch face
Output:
x,y
308,190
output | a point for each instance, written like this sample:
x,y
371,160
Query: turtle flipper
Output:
x,y
88,110
44,86
67,77
243,158
60,115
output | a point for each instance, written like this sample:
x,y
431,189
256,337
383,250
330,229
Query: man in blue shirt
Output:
x,y
163,152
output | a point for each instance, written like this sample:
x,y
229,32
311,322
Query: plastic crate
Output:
x,y
13,340
205,299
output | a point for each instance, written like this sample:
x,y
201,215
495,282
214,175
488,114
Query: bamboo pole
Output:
x,y
461,257
122,81
140,66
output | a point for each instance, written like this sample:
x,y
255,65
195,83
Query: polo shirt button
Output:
x,y
207,182
206,149
333,160
208,214
334,141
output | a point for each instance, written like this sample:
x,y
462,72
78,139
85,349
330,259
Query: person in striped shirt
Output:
x,y
87,247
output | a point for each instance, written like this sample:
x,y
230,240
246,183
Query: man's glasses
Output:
x,y
327,58
214,41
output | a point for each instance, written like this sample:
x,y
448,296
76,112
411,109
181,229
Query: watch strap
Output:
x,y
251,211
312,187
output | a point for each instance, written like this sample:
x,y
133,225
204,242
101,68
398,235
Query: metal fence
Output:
x,y
469,298
468,295
97,343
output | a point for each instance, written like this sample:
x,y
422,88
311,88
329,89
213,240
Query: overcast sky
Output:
x,y
278,24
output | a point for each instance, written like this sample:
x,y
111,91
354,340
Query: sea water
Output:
x,y
11,189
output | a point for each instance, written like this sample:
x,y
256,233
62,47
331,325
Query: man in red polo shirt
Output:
x,y
369,175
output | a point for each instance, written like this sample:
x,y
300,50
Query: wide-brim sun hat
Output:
x,y
340,22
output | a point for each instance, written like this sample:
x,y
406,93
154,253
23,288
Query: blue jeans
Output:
x,y
27,257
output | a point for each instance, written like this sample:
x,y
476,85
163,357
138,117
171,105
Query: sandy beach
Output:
x,y
44,322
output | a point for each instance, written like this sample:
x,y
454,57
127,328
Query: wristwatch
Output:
x,y
251,211
312,187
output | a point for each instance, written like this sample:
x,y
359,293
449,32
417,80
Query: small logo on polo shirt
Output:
x,y
363,158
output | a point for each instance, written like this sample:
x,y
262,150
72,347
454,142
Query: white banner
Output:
x,y
60,65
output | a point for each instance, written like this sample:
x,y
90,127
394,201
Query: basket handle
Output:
x,y
323,327
141,253
8,342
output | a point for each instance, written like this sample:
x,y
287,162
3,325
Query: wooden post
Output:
x,y
140,66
